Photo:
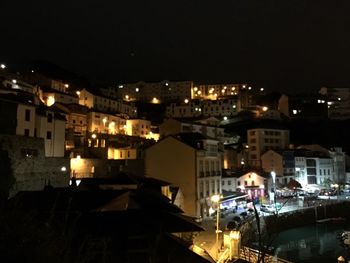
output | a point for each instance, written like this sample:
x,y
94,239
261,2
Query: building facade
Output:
x,y
261,140
198,176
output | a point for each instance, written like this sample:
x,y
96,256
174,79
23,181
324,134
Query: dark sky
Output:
x,y
278,44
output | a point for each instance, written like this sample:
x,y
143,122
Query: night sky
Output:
x,y
276,44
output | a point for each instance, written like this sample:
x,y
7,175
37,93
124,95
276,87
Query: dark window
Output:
x,y
26,132
34,132
253,183
49,117
73,121
245,183
311,179
27,115
48,135
311,171
310,162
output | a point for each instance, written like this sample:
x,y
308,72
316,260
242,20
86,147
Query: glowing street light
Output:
x,y
2,66
93,136
273,175
216,199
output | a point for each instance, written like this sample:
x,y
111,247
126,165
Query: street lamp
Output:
x,y
216,199
273,175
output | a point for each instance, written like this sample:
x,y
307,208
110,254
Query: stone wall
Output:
x,y
31,169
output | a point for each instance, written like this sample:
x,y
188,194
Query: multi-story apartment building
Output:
x,y
153,92
175,126
262,139
198,176
138,127
194,108
105,104
281,162
312,167
338,160
101,122
50,96
338,101
50,125
303,105
22,117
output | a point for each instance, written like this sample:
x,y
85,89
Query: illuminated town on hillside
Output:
x,y
202,145
175,131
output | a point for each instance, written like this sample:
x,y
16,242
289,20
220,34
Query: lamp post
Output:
x,y
216,199
273,175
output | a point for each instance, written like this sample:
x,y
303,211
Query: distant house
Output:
x,y
254,183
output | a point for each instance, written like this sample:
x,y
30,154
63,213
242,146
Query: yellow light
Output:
x,y
66,85
195,89
225,87
104,120
78,93
265,108
127,97
215,198
235,235
14,81
199,92
3,66
186,101
78,157
137,90
155,100
50,101
223,91
233,88
93,136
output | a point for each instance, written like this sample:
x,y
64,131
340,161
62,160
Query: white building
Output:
x,y
160,92
106,104
313,168
100,122
223,107
253,183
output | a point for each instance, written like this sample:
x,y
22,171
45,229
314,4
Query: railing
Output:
x,y
252,255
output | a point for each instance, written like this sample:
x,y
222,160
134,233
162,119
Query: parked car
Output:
x,y
267,208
